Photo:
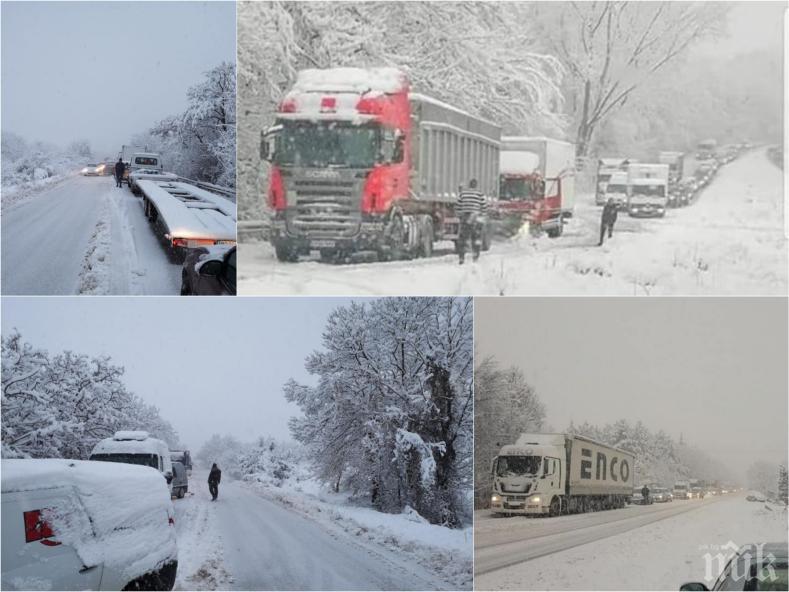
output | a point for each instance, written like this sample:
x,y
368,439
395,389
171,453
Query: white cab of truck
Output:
x,y
136,448
551,474
648,189
83,525
617,189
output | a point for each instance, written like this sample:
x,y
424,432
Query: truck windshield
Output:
x,y
616,188
148,460
650,190
515,466
328,144
516,189
146,161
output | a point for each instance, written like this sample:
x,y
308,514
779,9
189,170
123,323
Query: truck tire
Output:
x,y
556,507
284,253
556,232
426,237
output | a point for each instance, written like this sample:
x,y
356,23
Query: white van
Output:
x,y
82,525
136,448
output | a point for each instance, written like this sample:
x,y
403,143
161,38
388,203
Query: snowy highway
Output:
x,y
730,241
244,541
83,236
655,547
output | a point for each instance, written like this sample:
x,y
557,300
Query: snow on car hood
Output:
x,y
128,507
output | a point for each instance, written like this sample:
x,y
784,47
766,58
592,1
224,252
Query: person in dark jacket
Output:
x,y
645,494
119,168
607,220
214,477
471,208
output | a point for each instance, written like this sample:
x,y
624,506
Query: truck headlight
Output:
x,y
535,499
495,498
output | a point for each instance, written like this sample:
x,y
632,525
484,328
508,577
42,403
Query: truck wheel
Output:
x,y
556,232
426,237
555,507
284,253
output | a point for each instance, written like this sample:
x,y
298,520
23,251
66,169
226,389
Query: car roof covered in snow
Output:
x,y
128,507
131,443
355,80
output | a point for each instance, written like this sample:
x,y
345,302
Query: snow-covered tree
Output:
x,y
783,484
59,406
391,414
762,476
224,450
610,49
200,143
505,406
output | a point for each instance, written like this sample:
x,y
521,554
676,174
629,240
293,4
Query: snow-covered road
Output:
x,y
83,236
654,547
730,241
244,541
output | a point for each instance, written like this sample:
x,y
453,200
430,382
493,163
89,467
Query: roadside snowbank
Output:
x,y
444,551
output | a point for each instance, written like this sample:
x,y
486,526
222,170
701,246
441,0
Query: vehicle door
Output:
x,y
32,556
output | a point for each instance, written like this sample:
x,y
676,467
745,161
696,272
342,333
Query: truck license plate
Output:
x,y
322,244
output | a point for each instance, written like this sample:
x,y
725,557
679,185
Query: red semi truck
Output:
x,y
537,184
359,163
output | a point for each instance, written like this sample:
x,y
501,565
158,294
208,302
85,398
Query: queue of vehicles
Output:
x,y
649,189
106,523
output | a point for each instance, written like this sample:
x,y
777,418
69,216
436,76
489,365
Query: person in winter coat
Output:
x,y
607,220
645,494
472,207
119,168
214,477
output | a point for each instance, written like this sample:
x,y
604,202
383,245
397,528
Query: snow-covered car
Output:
x,y
661,495
150,174
90,170
83,525
209,271
761,566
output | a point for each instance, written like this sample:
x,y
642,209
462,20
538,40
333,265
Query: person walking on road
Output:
x,y
119,168
214,477
607,220
472,207
645,494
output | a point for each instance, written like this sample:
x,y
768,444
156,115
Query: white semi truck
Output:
x,y
552,474
648,186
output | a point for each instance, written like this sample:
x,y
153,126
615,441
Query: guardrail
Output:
x,y
224,191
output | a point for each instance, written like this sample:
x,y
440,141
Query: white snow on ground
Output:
x,y
84,235
730,241
445,551
661,555
246,541
13,195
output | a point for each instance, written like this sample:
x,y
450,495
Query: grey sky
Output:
x,y
106,71
751,26
210,364
713,369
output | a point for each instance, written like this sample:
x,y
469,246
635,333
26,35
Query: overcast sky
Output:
x,y
105,71
751,26
711,369
211,365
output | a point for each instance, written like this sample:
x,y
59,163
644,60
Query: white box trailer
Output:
x,y
560,473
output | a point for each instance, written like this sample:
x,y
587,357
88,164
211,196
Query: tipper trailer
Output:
x,y
536,184
359,163
552,474
187,216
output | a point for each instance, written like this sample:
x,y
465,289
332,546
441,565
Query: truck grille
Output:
x,y
526,491
325,208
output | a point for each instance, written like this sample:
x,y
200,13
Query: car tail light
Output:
x,y
180,242
38,529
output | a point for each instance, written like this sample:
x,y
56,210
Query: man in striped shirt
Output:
x,y
472,207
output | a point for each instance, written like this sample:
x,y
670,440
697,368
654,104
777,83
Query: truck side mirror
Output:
x,y
264,148
493,465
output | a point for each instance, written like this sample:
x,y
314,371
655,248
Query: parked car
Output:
x,y
753,567
77,525
209,271
638,499
90,170
661,495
